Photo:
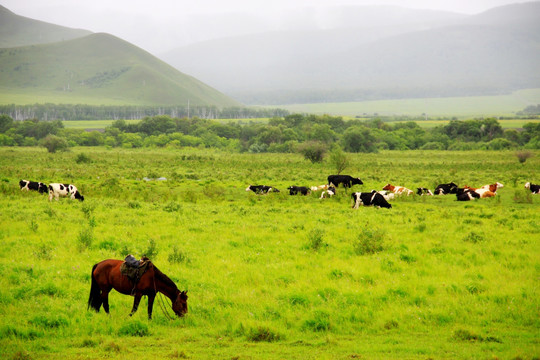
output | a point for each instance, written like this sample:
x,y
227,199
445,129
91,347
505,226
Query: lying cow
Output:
x,y
320,187
347,180
397,189
372,198
261,189
388,195
493,187
330,191
64,190
294,190
535,189
423,191
443,189
466,195
33,185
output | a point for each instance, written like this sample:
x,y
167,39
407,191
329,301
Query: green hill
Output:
x,y
99,69
18,30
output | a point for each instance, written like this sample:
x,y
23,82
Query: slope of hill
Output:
x,y
101,66
490,53
18,30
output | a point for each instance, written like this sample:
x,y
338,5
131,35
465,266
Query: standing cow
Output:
x,y
56,190
33,185
347,180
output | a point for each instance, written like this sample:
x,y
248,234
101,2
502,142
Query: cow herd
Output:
x,y
380,198
372,198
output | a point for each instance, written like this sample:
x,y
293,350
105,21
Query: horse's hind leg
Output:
x,y
136,302
105,300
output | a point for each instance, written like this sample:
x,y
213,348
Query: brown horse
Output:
x,y
106,275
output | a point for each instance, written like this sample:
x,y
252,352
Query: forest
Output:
x,y
289,134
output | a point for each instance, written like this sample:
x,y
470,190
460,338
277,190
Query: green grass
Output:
x,y
461,107
273,276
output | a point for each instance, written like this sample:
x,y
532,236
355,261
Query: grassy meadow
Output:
x,y
461,107
271,276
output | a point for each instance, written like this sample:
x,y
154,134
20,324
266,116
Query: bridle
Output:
x,y
161,302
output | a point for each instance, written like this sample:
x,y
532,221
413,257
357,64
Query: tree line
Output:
x,y
48,112
312,135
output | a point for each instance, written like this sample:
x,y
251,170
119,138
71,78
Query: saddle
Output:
x,y
134,269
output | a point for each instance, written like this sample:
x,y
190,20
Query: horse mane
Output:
x,y
164,277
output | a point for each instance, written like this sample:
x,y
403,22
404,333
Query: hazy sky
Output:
x,y
159,25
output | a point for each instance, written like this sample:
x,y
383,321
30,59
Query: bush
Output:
x,y
523,155
315,239
263,333
54,143
313,151
369,242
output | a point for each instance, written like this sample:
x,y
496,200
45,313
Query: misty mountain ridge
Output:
x,y
493,52
16,30
44,59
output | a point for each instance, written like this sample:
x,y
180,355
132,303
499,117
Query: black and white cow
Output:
x,y
372,198
261,189
423,191
535,189
33,185
330,191
443,189
293,190
466,195
56,190
347,180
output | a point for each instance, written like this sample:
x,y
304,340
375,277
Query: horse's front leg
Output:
x,y
151,298
136,302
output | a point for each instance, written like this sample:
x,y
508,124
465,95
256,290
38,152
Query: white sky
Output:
x,y
159,25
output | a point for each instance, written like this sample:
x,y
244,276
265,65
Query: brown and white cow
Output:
x,y
493,187
399,190
57,190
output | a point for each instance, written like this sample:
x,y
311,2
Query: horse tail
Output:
x,y
94,301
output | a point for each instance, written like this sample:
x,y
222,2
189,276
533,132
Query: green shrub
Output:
x,y
316,240
177,256
54,143
134,328
319,321
263,333
85,238
369,241
313,151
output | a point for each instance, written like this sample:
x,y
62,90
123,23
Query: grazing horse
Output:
x,y
106,275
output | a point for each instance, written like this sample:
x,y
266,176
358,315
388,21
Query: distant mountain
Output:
x,y
18,30
388,54
98,66
103,66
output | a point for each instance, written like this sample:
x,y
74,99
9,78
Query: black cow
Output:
x,y
33,185
261,189
466,195
535,189
293,190
423,191
347,180
443,189
372,198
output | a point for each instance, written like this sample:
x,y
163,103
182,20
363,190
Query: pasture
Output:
x,y
271,276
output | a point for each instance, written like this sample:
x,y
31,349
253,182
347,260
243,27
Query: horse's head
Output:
x,y
180,304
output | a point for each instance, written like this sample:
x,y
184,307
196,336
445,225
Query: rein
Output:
x,y
160,299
